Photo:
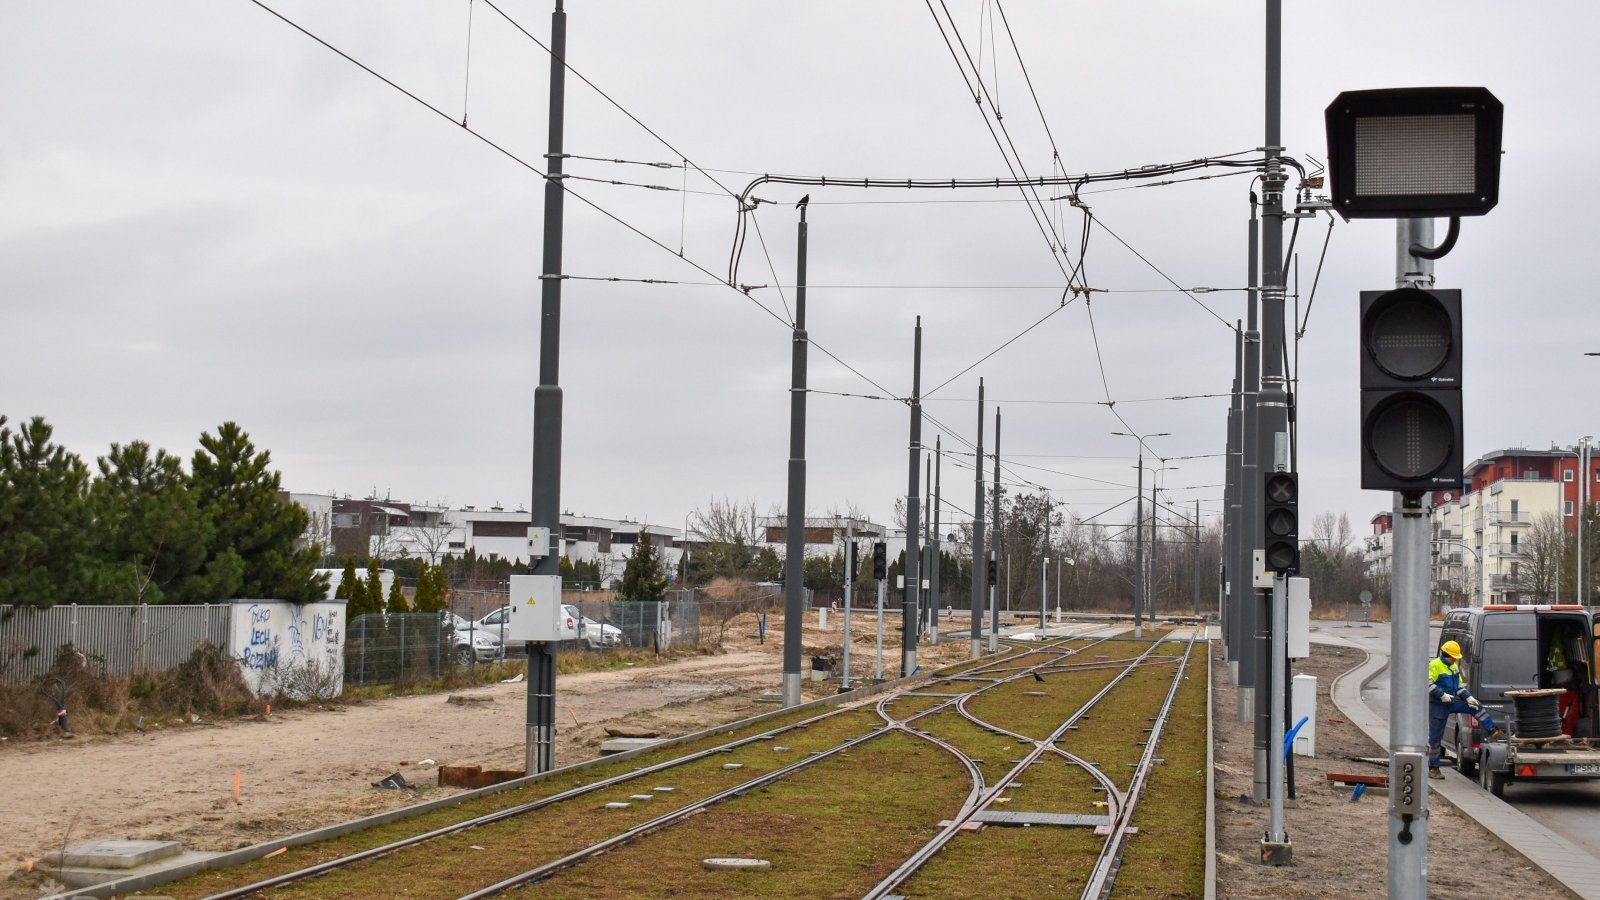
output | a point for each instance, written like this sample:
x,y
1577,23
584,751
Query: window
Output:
x,y
1566,507
1566,474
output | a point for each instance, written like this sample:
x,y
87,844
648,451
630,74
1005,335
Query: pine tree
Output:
x,y
565,569
349,582
397,598
253,551
44,518
642,578
359,600
149,538
374,585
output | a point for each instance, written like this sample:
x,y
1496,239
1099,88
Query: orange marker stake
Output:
x,y
236,777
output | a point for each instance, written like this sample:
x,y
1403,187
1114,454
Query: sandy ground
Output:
x,y
1340,847
311,767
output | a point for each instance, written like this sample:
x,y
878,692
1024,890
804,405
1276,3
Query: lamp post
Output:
x,y
1138,533
1064,561
1477,564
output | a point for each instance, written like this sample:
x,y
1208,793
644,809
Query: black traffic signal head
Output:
x,y
1410,440
880,560
1280,496
1410,338
1411,424
994,572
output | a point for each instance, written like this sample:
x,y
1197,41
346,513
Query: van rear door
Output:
x,y
1507,655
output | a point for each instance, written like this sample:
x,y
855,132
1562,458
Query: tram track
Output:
x,y
1053,656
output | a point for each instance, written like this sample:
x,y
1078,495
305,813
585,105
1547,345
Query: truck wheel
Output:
x,y
1493,782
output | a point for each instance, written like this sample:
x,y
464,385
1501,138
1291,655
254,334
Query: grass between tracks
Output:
x,y
1167,858
833,830
800,741
1057,861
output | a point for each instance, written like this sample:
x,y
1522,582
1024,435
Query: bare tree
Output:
x,y
431,530
1539,560
731,531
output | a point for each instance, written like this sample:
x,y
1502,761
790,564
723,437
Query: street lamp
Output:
x,y
1477,564
1068,561
1138,533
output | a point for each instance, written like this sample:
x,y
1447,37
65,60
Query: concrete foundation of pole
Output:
x,y
1274,853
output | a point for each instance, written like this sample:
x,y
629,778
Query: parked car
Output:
x,y
472,642
598,635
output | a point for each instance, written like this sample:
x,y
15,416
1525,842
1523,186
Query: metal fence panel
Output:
x,y
120,639
382,648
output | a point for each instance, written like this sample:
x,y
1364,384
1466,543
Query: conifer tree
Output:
x,y
642,578
254,550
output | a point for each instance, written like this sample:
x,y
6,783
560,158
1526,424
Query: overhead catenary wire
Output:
x,y
566,189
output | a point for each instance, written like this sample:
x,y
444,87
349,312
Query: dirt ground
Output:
x,y
311,767
1340,847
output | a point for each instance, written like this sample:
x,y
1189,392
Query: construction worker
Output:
x,y
1447,695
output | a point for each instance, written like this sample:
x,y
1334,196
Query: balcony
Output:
x,y
1507,517
1447,559
1501,582
1504,549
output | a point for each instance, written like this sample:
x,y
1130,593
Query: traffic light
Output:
x,y
1280,496
1411,429
880,560
994,572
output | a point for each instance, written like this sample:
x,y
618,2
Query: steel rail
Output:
x,y
538,873
509,812
945,835
520,809
1103,877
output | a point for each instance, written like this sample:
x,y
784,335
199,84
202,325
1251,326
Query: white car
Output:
x,y
598,635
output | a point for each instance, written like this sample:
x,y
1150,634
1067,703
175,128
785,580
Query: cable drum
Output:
x,y
1537,713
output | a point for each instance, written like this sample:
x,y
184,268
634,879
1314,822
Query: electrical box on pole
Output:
x,y
535,608
1280,508
1411,423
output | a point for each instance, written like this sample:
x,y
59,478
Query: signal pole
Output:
x,y
1408,636
994,590
934,593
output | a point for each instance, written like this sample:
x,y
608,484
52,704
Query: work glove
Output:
x,y
1473,702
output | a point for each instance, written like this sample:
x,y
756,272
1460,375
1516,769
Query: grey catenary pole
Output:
x,y
1273,417
935,591
546,507
795,527
913,572
1138,548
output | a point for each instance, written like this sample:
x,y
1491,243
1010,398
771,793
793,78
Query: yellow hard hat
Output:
x,y
1451,649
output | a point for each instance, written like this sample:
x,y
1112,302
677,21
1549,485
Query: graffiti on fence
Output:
x,y
283,647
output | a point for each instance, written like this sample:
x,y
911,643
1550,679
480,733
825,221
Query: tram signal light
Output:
x,y
880,560
1411,422
1281,513
994,572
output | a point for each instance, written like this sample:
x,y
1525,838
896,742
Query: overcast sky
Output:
x,y
207,216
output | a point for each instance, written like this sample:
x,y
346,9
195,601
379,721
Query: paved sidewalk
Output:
x,y
1565,861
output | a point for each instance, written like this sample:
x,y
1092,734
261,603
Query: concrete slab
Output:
x,y
114,854
624,744
89,876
